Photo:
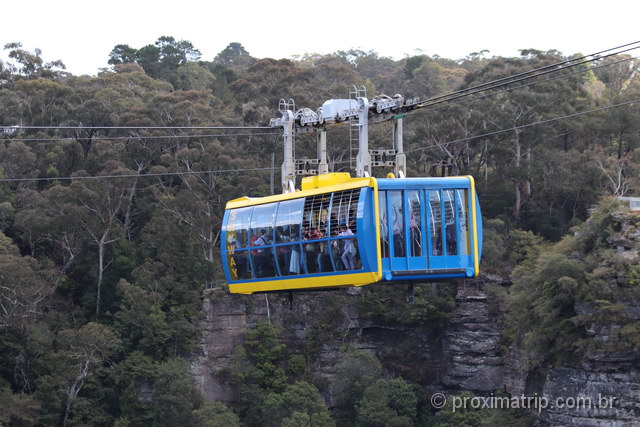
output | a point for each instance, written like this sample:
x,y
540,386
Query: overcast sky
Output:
x,y
82,33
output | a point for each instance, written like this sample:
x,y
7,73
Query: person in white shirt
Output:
x,y
349,249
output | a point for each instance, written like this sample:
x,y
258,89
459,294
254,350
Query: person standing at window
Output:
x,y
261,254
349,249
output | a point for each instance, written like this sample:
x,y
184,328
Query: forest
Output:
x,y
112,189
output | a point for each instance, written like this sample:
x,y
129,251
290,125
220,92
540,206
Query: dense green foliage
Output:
x,y
580,283
101,279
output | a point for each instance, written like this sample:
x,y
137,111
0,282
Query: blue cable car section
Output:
x,y
432,215
351,232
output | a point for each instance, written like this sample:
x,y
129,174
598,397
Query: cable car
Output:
x,y
339,231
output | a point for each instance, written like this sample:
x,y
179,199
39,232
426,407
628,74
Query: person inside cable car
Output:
x,y
334,225
348,250
398,230
283,253
239,258
264,268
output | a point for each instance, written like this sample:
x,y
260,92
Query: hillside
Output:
x,y
112,189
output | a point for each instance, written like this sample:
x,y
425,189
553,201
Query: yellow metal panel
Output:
x,y
376,207
311,283
476,257
325,180
350,184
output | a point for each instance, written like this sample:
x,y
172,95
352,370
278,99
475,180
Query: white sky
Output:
x,y
82,33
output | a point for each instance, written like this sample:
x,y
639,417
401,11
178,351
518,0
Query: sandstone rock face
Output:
x,y
465,357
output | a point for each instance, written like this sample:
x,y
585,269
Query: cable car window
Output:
x,y
397,223
312,256
415,221
461,195
384,224
344,210
315,216
238,262
263,262
435,219
288,221
262,221
450,222
238,227
289,260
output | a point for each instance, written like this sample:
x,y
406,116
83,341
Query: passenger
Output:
x,y
384,234
323,260
416,236
283,252
349,249
334,224
261,255
294,263
284,258
309,251
398,235
316,234
437,242
452,245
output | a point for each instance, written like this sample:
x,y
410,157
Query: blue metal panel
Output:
x,y
450,262
223,247
367,244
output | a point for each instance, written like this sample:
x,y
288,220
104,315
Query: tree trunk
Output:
x,y
75,389
127,213
101,251
518,195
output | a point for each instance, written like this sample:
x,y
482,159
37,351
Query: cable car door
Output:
x,y
406,247
447,228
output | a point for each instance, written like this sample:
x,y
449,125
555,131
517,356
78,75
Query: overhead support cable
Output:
x,y
553,68
99,177
542,122
137,127
113,138
504,90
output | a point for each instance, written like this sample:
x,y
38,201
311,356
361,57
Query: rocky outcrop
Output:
x,y
464,357
471,343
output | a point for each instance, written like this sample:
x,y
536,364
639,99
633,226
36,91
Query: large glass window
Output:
x,y
397,223
263,262
450,222
294,237
238,228
384,224
239,266
290,260
288,221
262,224
415,223
435,222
